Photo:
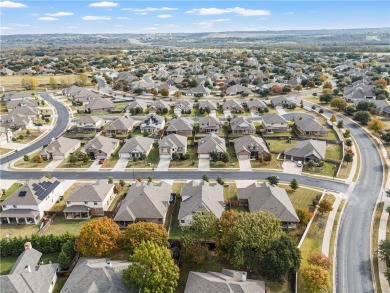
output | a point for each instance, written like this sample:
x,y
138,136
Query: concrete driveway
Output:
x,y
120,165
52,165
95,166
204,164
280,111
163,165
213,113
245,164
227,113
291,168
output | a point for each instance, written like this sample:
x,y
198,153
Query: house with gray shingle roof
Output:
x,y
99,105
16,121
159,106
208,104
121,126
256,105
282,102
200,197
100,147
13,104
137,106
250,147
271,199
97,275
274,123
229,281
60,149
28,204
89,200
306,150
80,95
14,95
210,143
152,123
90,124
236,89
200,90
28,275
209,124
183,107
144,202
171,144
136,147
310,126
232,106
242,125
182,126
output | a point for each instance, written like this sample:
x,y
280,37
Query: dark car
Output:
x,y
38,124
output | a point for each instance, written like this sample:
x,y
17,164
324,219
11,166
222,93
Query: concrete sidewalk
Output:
x,y
52,165
330,224
382,267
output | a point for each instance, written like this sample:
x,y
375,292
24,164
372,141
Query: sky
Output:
x,y
71,16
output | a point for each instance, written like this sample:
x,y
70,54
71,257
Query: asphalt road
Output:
x,y
353,267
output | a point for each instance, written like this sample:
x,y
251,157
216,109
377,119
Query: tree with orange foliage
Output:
x,y
164,92
381,81
325,206
376,125
316,279
226,222
304,216
98,238
319,259
276,89
327,85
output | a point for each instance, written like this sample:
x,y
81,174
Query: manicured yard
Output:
x,y
192,162
79,164
230,191
333,151
273,164
345,170
233,163
120,106
111,161
18,230
59,284
280,145
118,198
31,163
60,206
34,133
175,230
61,226
302,198
328,169
10,190
4,151
153,158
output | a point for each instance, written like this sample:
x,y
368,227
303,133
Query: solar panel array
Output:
x,y
44,188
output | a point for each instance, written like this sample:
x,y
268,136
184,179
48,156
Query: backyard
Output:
x,y
333,151
18,230
60,206
61,226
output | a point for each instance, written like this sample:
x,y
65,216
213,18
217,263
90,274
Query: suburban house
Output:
x,y
310,126
227,281
121,126
90,124
359,91
139,105
100,147
282,102
208,105
306,150
237,89
200,90
30,112
209,124
171,89
210,143
250,147
80,95
240,125
60,149
99,105
183,107
16,121
136,146
13,104
274,123
171,144
97,275
152,123
6,135
6,71
144,203
14,95
200,197
29,275
159,106
256,105
181,126
28,204
271,199
232,106
89,200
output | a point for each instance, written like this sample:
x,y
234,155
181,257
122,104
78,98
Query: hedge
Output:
x,y
46,243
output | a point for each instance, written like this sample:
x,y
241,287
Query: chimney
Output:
x,y
27,269
27,245
243,276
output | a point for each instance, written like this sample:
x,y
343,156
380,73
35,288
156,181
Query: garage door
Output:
x,y
279,107
60,157
165,157
124,155
243,157
204,156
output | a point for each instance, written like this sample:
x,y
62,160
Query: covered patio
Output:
x,y
77,212
19,217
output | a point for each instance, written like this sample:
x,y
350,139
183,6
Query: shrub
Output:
x,y
319,259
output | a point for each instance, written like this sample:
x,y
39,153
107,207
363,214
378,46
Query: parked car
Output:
x,y
38,124
101,161
299,164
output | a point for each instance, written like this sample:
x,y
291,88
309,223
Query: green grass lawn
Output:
x,y
111,161
61,226
31,163
34,133
4,151
60,206
153,158
374,241
333,151
10,190
175,230
18,230
279,145
230,191
345,170
191,163
118,198
6,264
79,164
59,284
277,134
273,164
327,170
233,162
302,197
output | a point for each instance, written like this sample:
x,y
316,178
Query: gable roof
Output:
x,y
273,118
241,123
232,104
89,120
137,104
181,124
271,199
100,103
250,143
310,124
138,143
210,143
122,123
101,143
210,104
91,192
173,140
209,121
61,145
256,103
305,148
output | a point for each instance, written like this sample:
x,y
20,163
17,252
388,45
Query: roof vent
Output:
x,y
27,245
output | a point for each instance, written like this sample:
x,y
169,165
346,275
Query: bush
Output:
x,y
67,254
319,259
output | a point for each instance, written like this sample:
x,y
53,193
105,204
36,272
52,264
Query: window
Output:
x,y
182,221
15,206
95,203
85,202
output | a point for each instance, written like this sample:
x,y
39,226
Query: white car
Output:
x,y
299,164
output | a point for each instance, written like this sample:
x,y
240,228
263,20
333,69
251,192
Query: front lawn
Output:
x,y
233,162
153,158
111,161
33,134
10,190
4,151
31,163
79,164
333,151
273,164
61,226
192,162
328,169
302,198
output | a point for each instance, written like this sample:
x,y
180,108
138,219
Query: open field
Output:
x,y
11,82
4,151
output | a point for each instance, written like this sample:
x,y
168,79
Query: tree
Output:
x,y
177,94
348,142
110,180
381,81
85,158
348,157
316,279
324,207
294,184
282,258
152,270
347,133
326,98
327,85
122,182
117,188
203,228
30,83
81,79
220,181
386,137
362,116
298,88
333,118
154,92
384,250
67,254
273,180
311,84
205,177
319,259
304,216
72,159
53,83
276,89
98,238
376,124
39,159
26,158
140,232
338,103
340,124
164,92
350,110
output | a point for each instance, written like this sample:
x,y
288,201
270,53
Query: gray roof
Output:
x,y
282,100
97,104
145,202
29,257
136,104
33,192
200,197
208,121
200,89
241,123
229,281
159,104
153,119
232,104
237,88
211,142
256,103
19,213
310,124
173,140
61,145
122,123
102,143
138,144
305,148
273,118
210,104
89,120
96,276
181,124
250,143
91,192
14,95
271,199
